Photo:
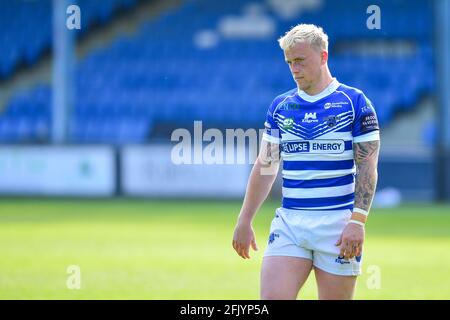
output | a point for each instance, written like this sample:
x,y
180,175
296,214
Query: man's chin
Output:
x,y
302,86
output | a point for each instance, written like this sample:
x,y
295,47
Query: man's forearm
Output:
x,y
258,188
365,186
366,157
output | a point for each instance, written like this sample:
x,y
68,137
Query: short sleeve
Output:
x,y
365,125
271,129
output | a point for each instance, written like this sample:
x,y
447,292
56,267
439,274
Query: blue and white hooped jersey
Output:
x,y
316,136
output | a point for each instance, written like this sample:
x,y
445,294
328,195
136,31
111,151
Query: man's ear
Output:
x,y
323,57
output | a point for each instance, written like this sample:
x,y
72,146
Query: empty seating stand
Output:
x,y
160,76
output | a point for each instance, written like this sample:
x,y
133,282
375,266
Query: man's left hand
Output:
x,y
351,241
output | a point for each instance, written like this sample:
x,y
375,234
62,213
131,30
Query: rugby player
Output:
x,y
327,135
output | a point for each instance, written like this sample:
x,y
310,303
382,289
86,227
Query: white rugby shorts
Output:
x,y
312,235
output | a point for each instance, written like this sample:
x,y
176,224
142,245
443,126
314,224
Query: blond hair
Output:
x,y
308,33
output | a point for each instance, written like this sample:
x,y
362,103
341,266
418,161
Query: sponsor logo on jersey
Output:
x,y
295,147
366,109
314,146
329,105
288,123
290,106
369,122
310,117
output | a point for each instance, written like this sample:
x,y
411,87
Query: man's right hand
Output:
x,y
243,237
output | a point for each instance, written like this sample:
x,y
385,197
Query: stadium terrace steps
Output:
x,y
26,28
29,89
159,74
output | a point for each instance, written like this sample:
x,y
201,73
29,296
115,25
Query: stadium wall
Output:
x,y
147,171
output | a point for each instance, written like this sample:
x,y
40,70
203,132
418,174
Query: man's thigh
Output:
x,y
283,276
334,287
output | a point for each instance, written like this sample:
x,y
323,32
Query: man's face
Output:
x,y
305,63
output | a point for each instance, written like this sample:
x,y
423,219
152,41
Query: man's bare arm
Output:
x,y
366,158
261,180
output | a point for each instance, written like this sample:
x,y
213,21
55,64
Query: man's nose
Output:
x,y
295,68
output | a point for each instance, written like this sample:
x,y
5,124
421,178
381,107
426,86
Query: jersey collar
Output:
x,y
327,91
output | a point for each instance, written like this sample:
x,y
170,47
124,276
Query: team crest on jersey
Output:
x,y
288,123
332,121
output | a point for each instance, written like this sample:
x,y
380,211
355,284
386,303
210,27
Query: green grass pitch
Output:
x,y
138,249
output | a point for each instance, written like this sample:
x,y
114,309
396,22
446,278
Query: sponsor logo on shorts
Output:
x,y
341,260
272,237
